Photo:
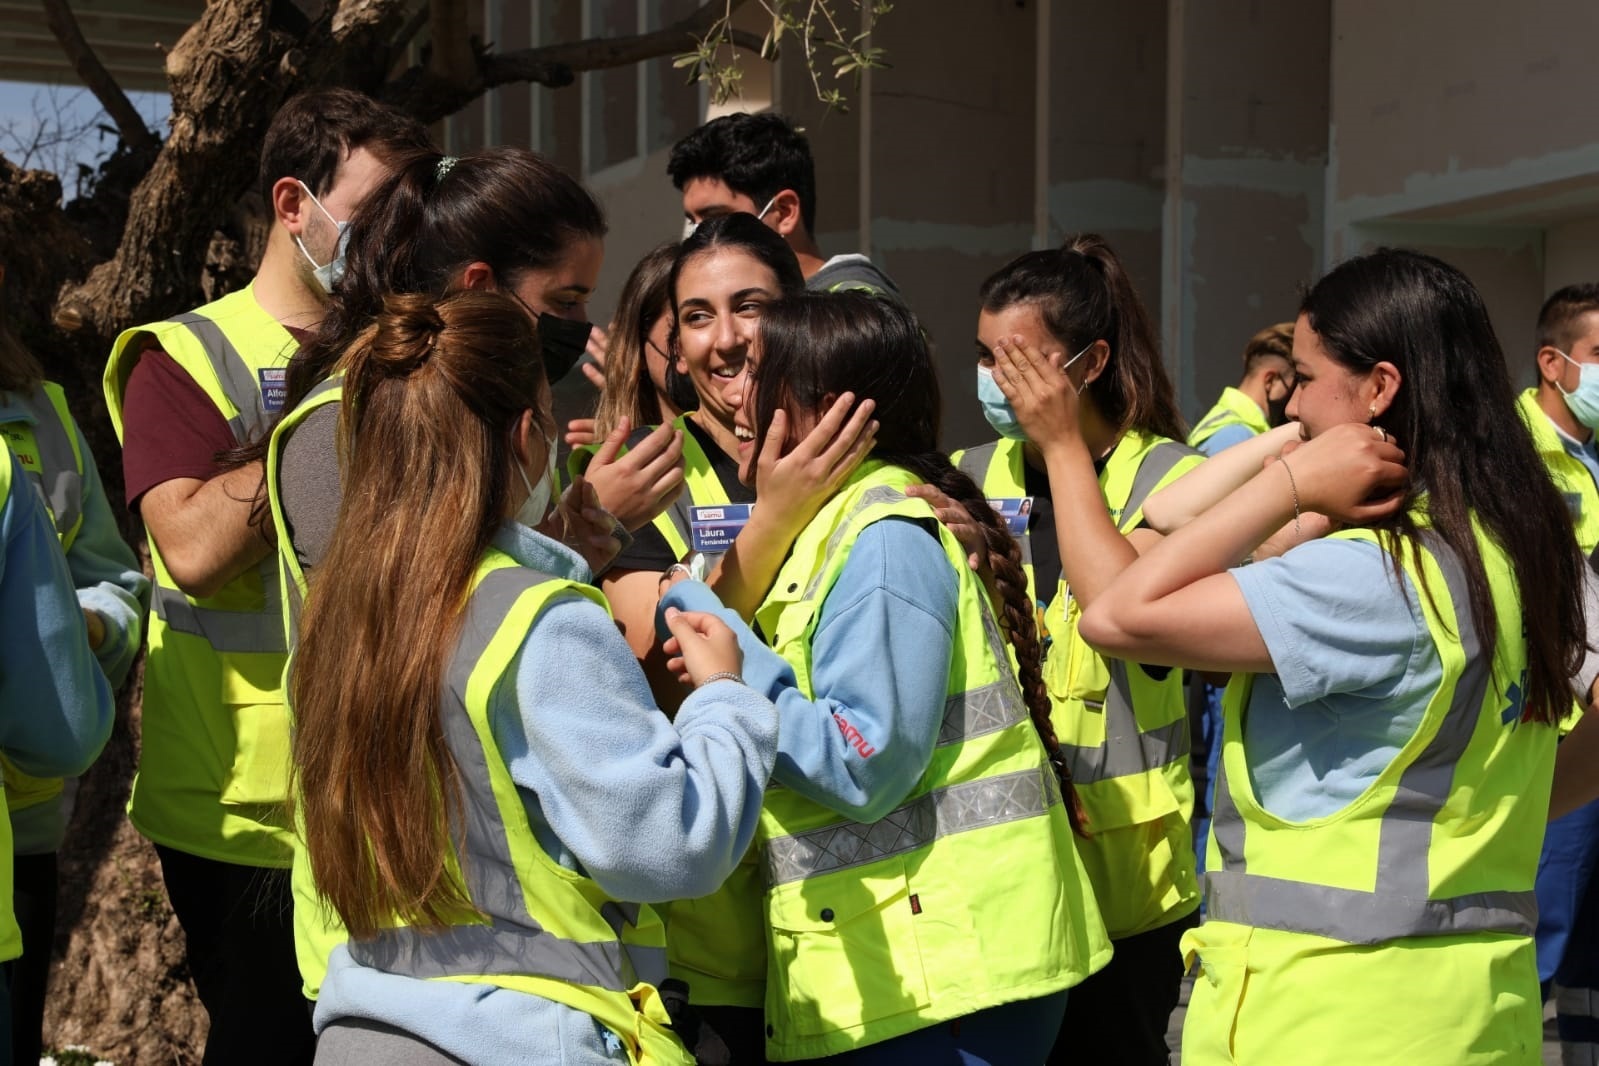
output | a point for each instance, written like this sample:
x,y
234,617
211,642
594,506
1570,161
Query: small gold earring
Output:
x,y
1371,412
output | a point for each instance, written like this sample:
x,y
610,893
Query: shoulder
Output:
x,y
904,556
853,272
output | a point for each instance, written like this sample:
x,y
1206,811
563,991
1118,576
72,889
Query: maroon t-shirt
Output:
x,y
170,427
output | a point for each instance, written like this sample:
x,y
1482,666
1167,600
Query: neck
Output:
x,y
809,255
1554,405
1255,389
1099,436
282,289
723,436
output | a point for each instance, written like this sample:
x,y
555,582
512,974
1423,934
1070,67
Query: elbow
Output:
x,y
1101,629
1160,516
195,575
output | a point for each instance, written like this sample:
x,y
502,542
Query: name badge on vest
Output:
x,y
274,388
712,529
1573,504
1015,510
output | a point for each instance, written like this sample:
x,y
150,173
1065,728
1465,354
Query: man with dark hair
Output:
x,y
762,165
214,762
1259,401
1562,411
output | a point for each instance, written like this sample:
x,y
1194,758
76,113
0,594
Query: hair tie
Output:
x,y
446,164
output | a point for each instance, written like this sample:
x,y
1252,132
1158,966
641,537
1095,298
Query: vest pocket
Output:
x,y
253,700
844,951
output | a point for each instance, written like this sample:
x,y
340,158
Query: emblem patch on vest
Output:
x,y
274,388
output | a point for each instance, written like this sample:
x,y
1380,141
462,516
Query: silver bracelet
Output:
x,y
723,675
1294,488
675,568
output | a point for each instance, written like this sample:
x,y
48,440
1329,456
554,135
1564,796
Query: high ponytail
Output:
x,y
433,393
817,345
1083,294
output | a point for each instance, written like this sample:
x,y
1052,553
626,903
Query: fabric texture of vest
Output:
x,y
1233,409
968,895
317,929
49,451
213,770
1400,928
10,933
543,929
1123,728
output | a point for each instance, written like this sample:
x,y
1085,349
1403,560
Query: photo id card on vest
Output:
x,y
1015,510
274,388
712,529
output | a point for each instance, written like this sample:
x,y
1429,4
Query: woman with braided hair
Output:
x,y
925,899
1070,377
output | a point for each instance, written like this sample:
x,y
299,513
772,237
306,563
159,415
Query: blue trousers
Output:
x,y
1568,921
1015,1034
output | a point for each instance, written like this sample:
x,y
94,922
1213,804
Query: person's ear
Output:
x,y
785,215
1383,386
1097,357
522,438
477,275
289,204
1551,364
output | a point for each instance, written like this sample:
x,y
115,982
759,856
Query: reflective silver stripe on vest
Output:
x,y
1209,426
940,813
875,495
58,476
230,631
238,381
1399,905
1127,752
515,943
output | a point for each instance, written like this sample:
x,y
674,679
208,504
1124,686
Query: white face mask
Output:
x,y
689,225
537,504
326,274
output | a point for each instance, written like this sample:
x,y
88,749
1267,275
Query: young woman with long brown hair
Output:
x,y
476,752
925,899
1390,728
1070,376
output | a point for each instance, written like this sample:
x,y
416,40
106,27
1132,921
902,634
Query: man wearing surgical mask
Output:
x,y
761,164
213,774
1562,412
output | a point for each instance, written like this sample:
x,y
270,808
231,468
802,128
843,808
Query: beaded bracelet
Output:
x,y
723,675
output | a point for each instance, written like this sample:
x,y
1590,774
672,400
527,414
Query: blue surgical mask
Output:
x,y
1583,401
997,409
327,274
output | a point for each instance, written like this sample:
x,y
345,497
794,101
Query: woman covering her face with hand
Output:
x,y
925,900
1389,731
1070,377
474,785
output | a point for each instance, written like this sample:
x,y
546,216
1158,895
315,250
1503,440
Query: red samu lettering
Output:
x,y
853,738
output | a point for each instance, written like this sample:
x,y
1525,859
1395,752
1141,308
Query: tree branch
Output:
x,y
424,94
99,80
451,57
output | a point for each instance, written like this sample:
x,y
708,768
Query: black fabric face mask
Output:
x,y
680,389
562,342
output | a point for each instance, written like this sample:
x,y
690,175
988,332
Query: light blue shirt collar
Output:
x,y
535,551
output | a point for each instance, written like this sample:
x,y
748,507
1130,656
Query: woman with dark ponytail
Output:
x,y
476,754
1390,728
1070,376
926,902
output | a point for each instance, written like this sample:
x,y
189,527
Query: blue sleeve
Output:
x,y
880,670
1334,621
652,809
107,576
1225,438
55,703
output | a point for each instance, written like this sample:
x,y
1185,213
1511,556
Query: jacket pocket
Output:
x,y
252,697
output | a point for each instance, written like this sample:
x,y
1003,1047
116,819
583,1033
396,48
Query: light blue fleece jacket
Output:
x,y
880,663
649,808
108,580
55,703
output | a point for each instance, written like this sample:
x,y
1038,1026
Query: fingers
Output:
x,y
830,426
595,375
599,340
932,494
658,455
848,442
772,446
614,442
580,432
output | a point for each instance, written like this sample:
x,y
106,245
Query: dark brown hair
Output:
x,y
1557,320
433,393
817,345
1083,294
312,132
1273,342
1466,446
629,393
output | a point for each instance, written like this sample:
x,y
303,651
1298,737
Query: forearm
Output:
x,y
203,529
1210,482
1092,550
744,574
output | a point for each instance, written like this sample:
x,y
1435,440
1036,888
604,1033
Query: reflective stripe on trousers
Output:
x,y
514,943
1399,905
939,813
1577,1011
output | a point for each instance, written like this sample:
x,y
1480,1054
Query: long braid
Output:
x,y
1015,608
